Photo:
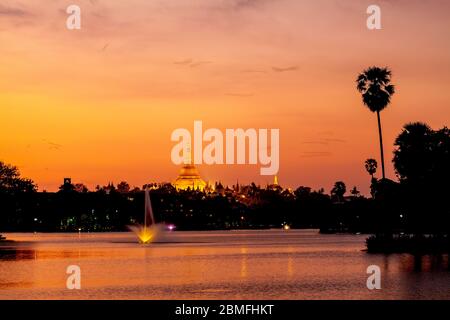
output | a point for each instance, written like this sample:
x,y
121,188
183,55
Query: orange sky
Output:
x,y
99,104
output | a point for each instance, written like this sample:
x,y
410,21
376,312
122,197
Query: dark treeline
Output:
x,y
417,204
109,209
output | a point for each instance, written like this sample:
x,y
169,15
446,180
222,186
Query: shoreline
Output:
x,y
395,244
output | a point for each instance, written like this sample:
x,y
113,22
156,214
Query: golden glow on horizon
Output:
x,y
99,104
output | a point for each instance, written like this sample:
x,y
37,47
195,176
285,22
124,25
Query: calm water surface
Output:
x,y
268,264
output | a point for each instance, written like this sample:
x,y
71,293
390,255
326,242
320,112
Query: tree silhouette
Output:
x,y
371,166
413,156
421,159
339,189
123,187
81,188
375,86
355,192
302,192
12,182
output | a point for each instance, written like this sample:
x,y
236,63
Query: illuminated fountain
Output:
x,y
147,232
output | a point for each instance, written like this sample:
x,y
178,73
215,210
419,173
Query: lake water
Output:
x,y
262,264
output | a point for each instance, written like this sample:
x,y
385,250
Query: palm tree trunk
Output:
x,y
381,144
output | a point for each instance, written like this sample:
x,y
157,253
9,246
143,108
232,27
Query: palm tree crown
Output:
x,y
376,88
371,166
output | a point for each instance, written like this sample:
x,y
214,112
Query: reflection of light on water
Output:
x,y
244,263
290,262
290,269
208,265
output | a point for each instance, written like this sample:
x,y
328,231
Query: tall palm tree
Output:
x,y
376,89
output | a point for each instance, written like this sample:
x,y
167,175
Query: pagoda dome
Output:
x,y
189,178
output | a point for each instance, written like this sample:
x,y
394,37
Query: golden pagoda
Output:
x,y
189,177
275,185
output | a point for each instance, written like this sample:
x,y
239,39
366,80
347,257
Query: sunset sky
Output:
x,y
99,104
